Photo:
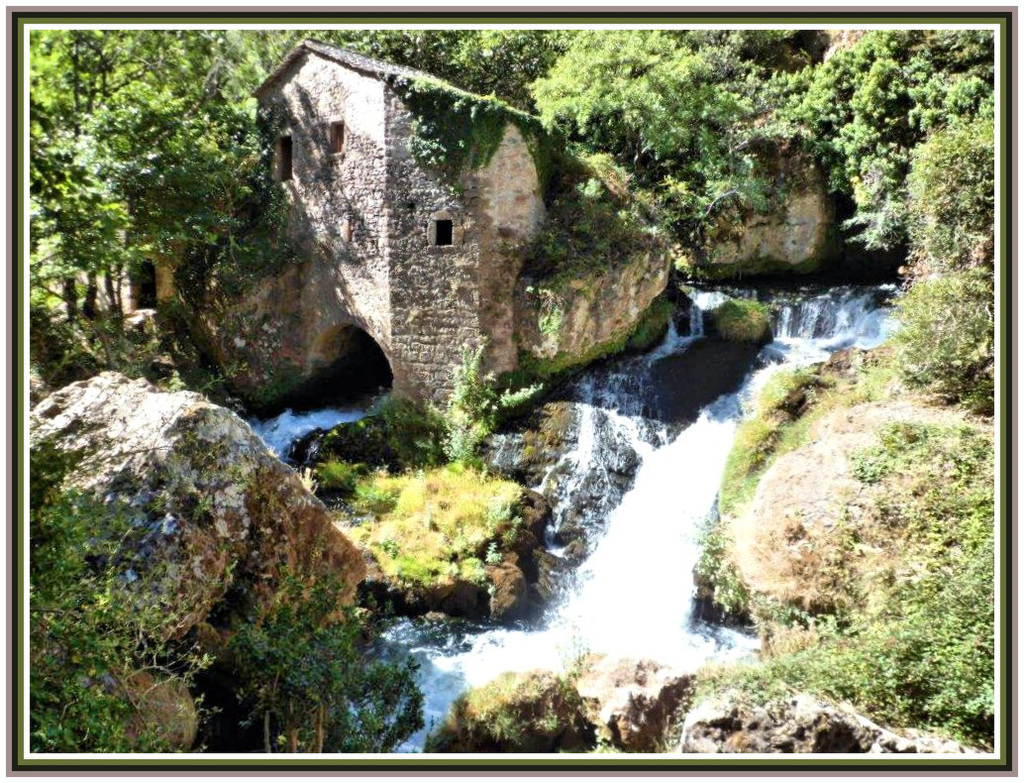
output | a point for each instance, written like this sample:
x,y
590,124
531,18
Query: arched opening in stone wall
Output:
x,y
346,365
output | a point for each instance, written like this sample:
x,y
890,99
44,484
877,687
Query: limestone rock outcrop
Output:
x,y
632,703
731,723
789,537
795,233
202,508
575,318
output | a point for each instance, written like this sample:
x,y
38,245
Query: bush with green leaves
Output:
x,y
313,685
90,646
952,198
864,110
945,339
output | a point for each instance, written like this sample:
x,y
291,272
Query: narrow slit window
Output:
x,y
284,158
443,232
337,137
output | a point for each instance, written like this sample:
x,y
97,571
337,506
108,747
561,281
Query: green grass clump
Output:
x,y
340,477
762,437
429,526
742,320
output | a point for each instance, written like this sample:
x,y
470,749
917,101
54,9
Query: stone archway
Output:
x,y
345,363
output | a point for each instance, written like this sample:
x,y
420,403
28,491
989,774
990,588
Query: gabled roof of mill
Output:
x,y
357,62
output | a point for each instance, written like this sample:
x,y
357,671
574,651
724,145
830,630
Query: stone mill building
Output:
x,y
402,255
392,252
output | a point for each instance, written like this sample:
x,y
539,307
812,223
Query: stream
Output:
x,y
640,474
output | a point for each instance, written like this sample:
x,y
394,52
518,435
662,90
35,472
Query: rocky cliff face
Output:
x,y
571,320
211,520
795,232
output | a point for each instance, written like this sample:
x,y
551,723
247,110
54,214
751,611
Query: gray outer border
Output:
x,y
1010,255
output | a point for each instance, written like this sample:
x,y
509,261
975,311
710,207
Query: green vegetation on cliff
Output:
x,y
531,712
890,607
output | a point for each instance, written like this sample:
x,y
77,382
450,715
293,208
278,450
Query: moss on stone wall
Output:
x,y
454,130
649,328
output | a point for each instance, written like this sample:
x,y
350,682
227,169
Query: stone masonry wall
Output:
x,y
337,218
447,297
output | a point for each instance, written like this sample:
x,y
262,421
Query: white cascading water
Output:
x,y
632,596
280,432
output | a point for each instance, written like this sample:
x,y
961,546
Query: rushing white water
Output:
x,y
280,432
632,596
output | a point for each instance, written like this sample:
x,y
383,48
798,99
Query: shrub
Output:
x,y
742,320
312,685
946,337
952,191
91,649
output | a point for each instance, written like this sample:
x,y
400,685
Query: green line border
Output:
x,y
1006,20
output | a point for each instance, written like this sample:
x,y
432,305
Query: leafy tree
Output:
x,y
865,109
312,683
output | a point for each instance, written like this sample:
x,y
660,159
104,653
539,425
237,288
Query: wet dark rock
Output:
x,y
527,448
685,383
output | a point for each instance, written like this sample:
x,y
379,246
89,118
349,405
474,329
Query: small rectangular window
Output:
x,y
443,232
284,158
337,137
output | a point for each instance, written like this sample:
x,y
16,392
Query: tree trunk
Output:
x,y
113,294
266,731
92,290
70,291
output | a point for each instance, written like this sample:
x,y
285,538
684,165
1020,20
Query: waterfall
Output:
x,y
642,485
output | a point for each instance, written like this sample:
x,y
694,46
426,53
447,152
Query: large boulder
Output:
x,y
524,712
571,320
632,703
209,520
732,723
790,537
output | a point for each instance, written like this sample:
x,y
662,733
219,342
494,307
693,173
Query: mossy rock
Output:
x,y
741,321
525,712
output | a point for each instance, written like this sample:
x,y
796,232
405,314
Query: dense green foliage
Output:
x,y
312,684
94,651
946,337
865,110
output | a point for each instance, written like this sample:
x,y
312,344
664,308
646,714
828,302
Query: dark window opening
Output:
x,y
284,158
337,137
443,232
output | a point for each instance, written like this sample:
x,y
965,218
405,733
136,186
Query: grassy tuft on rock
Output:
x,y
526,712
428,526
741,320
